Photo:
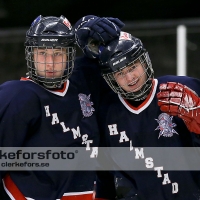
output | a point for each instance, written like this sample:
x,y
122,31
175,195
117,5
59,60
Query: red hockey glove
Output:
x,y
179,100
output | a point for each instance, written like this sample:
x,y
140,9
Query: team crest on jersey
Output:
x,y
86,105
165,125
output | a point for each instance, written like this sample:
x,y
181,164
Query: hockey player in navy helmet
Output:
x,y
45,109
143,111
50,51
55,105
119,59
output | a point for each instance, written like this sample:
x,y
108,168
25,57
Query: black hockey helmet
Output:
x,y
50,33
119,54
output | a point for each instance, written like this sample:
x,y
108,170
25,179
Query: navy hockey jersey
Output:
x,y
32,116
123,125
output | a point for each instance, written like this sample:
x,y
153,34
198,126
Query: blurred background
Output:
x,y
155,22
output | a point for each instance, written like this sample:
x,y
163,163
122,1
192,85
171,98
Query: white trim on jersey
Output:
x,y
145,105
77,193
62,94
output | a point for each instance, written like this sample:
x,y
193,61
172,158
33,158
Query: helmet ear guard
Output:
x,y
120,53
50,33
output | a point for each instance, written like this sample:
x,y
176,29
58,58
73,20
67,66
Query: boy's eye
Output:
x,y
119,75
58,54
41,53
131,68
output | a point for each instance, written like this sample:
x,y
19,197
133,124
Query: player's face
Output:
x,y
132,77
50,63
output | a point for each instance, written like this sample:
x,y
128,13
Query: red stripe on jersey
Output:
x,y
55,90
14,193
11,189
61,90
24,79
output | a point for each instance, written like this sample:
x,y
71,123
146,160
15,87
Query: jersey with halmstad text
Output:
x,y
122,124
33,116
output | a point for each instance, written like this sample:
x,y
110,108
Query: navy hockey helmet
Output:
x,y
121,53
56,34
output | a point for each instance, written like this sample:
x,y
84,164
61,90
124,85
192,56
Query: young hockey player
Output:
x,y
51,107
143,111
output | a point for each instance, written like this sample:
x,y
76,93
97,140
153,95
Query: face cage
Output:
x,y
50,82
145,89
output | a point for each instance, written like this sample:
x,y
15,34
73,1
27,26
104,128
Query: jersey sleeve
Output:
x,y
19,115
18,118
90,72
